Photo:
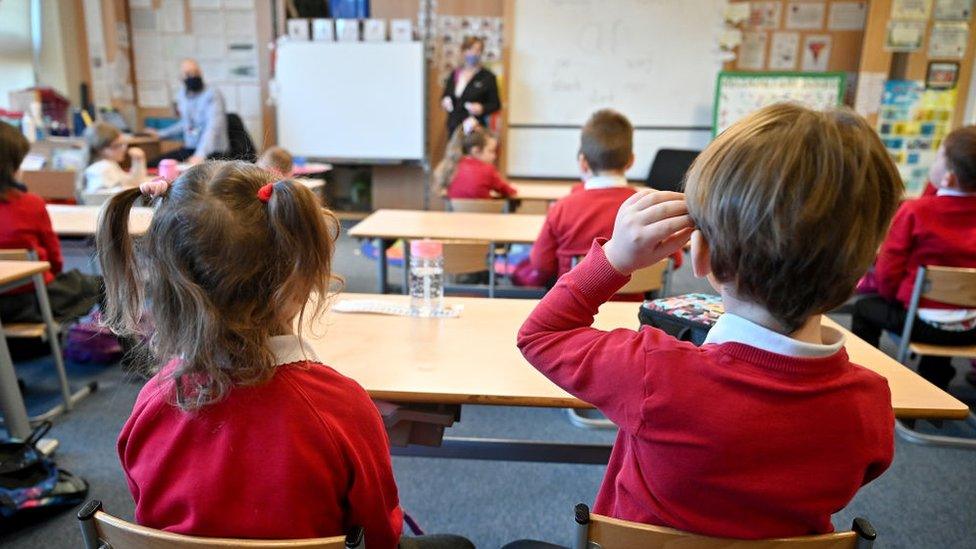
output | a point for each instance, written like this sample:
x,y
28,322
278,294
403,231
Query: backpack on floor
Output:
x,y
89,341
687,317
31,481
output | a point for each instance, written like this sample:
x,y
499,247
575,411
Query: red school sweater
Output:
x,y
476,179
726,440
931,230
303,455
24,223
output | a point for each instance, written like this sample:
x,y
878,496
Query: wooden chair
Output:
x,y
609,533
100,530
48,330
656,277
953,286
478,205
472,257
52,184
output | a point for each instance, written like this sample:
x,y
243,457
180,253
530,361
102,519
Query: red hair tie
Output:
x,y
264,193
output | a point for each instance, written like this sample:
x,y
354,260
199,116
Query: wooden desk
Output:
x,y
544,190
473,359
82,221
13,274
391,225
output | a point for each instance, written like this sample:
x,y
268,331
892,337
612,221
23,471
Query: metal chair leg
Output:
x,y
52,335
924,439
583,422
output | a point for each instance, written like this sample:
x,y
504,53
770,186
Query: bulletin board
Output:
x,y
740,93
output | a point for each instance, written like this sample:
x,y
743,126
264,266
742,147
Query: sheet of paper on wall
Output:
x,y
948,40
847,16
764,15
147,51
245,70
816,52
153,94
250,100
752,51
172,16
214,70
176,48
206,22
205,4
239,4
805,15
401,30
904,35
953,10
298,30
140,4
242,47
122,34
730,39
347,30
870,88
911,9
323,30
209,47
142,19
374,30
240,22
736,12
783,51
121,87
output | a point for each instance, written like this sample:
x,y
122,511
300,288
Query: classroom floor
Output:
x,y
926,499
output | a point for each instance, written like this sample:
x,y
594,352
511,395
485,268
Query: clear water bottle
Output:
x,y
426,277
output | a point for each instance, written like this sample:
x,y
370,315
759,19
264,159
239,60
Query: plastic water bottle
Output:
x,y
426,277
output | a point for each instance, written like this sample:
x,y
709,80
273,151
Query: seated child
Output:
x,y
767,428
25,225
107,150
476,175
278,161
606,153
937,230
242,432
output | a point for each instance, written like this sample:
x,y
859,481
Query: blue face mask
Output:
x,y
472,59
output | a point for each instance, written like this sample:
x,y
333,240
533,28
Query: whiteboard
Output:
x,y
656,61
354,101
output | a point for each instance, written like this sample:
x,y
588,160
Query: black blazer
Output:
x,y
483,88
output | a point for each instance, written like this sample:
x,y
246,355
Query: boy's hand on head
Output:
x,y
136,153
650,226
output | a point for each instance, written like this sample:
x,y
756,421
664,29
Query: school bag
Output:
x,y
32,482
687,317
89,341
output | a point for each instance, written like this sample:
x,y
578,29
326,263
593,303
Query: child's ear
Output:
x,y
950,181
584,166
701,261
630,164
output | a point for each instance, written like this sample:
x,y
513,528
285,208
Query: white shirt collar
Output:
x,y
731,328
953,192
604,182
290,348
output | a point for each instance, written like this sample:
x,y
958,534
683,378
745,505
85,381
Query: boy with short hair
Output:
x,y
768,428
278,161
937,229
606,153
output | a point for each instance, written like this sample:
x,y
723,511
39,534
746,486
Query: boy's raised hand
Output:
x,y
650,226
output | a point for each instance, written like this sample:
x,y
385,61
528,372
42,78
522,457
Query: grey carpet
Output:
x,y
925,500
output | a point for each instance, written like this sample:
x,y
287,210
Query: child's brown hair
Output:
x,y
607,141
794,204
98,136
477,138
277,159
214,272
13,148
960,156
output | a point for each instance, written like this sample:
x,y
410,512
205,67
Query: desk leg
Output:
x,y
381,264
406,267
510,450
11,401
52,337
491,269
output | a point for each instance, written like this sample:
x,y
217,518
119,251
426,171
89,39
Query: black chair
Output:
x,y
669,167
241,145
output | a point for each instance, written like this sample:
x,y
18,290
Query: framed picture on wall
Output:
x,y
941,75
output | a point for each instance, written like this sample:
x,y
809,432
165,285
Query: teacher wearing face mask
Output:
x,y
203,119
471,90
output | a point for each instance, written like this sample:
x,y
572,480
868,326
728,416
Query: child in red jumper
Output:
x,y
476,175
738,438
937,229
606,153
242,432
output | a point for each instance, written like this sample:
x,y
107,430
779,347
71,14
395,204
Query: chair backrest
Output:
x,y
668,168
100,529
463,256
17,255
951,285
51,184
648,279
241,145
478,205
610,533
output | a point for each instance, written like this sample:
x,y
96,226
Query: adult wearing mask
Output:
x,y
470,90
203,119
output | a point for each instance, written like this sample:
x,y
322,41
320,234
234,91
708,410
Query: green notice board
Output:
x,y
739,93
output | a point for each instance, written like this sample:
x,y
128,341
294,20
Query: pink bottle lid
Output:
x,y
168,169
426,249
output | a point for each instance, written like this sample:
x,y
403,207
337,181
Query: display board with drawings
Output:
x,y
648,59
740,93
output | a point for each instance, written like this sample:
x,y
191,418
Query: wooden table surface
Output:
x,y
548,190
473,359
83,220
490,227
11,271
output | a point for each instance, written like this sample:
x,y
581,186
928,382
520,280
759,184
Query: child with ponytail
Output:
x,y
241,432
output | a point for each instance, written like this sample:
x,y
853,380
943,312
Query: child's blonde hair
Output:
x,y
213,272
794,204
277,159
99,136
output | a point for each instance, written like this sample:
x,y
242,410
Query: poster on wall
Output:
x,y
911,9
816,52
783,51
740,93
953,10
805,15
904,36
764,15
847,16
948,40
752,51
912,122
941,75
